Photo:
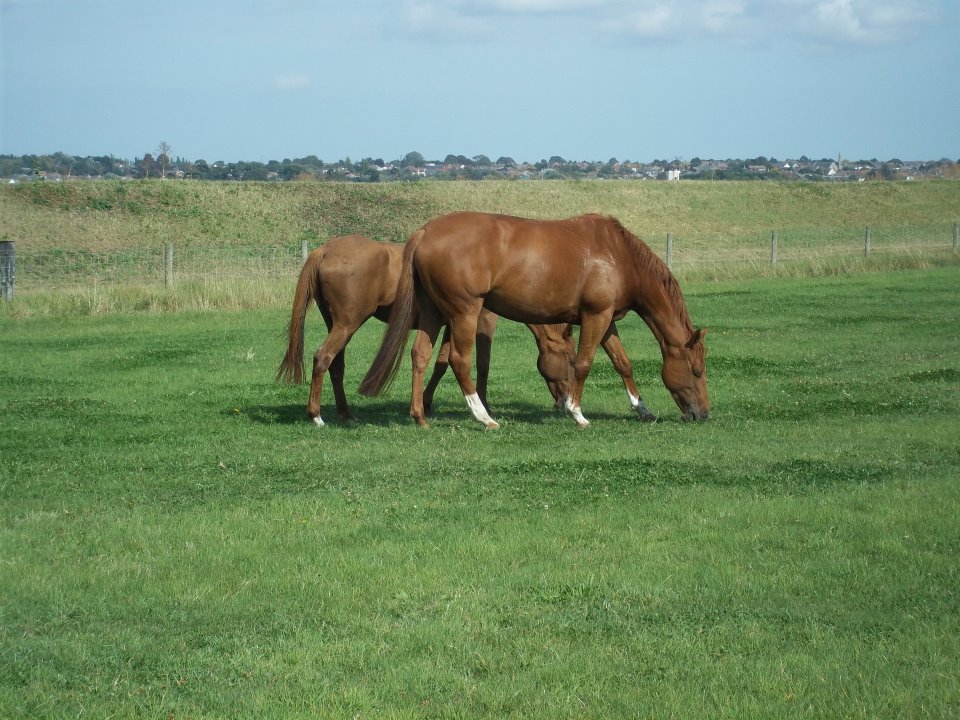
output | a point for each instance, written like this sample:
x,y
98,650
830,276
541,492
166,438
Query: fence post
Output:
x,y
304,250
168,264
866,242
773,248
8,268
670,251
956,234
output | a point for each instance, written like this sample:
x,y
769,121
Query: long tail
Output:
x,y
308,289
399,324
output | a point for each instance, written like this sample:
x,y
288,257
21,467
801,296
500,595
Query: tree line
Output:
x,y
413,166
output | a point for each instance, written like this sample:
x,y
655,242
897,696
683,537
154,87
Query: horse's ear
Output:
x,y
697,336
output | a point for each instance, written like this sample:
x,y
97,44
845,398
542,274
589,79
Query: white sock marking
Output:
x,y
318,421
574,410
479,411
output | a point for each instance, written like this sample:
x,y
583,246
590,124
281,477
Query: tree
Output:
x,y
413,158
147,164
163,158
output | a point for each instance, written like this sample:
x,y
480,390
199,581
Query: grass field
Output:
x,y
178,541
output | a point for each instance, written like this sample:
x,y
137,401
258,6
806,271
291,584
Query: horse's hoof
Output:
x,y
647,417
318,421
583,425
492,425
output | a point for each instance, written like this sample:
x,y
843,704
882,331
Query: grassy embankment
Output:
x,y
720,230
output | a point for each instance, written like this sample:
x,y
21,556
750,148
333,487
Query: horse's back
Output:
x,y
527,270
360,272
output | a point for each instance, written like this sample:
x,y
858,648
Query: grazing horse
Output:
x,y
352,279
588,270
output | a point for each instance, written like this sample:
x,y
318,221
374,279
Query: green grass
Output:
x,y
177,540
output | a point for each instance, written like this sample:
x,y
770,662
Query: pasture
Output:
x,y
179,541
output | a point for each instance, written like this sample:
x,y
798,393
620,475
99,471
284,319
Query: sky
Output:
x,y
639,80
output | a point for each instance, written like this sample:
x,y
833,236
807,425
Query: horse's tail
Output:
x,y
399,324
308,289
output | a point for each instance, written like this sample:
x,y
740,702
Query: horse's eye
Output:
x,y
697,373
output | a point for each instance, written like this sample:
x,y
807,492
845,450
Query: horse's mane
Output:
x,y
648,261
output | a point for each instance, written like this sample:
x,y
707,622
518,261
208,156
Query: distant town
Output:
x,y
161,164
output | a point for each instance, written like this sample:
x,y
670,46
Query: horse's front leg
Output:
x,y
439,370
613,346
427,332
486,327
463,331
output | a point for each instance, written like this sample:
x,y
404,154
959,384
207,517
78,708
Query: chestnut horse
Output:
x,y
588,270
354,278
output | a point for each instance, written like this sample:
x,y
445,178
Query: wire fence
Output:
x,y
163,266
171,265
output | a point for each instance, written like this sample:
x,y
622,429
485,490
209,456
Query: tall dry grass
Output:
x,y
237,244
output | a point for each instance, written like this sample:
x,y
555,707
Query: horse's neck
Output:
x,y
661,316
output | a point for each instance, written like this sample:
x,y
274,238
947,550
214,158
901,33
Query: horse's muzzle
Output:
x,y
696,415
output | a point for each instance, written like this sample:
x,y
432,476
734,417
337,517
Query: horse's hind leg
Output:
x,y
486,326
613,346
326,355
463,331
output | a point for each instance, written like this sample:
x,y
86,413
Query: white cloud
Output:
x,y
650,22
538,6
445,19
838,18
830,22
289,83
867,21
720,15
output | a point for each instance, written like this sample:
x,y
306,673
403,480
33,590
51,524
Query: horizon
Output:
x,y
493,158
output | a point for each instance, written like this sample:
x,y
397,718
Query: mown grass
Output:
x,y
178,540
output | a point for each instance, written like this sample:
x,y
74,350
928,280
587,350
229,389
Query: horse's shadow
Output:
x,y
393,412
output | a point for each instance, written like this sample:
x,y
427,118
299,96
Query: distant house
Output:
x,y
673,175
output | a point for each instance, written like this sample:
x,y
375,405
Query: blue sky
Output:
x,y
584,79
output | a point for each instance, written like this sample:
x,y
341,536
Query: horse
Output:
x,y
588,270
353,278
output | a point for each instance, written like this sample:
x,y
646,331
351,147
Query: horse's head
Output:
x,y
555,361
685,375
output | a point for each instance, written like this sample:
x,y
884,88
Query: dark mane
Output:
x,y
648,261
